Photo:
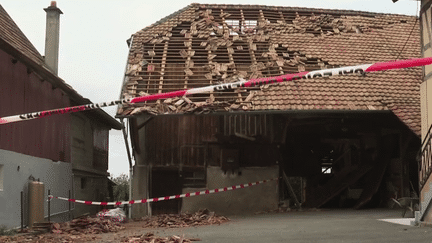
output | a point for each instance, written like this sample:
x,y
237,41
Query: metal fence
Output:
x,y
426,158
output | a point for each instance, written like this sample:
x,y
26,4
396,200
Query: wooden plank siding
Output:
x,y
22,91
195,141
426,86
168,138
100,148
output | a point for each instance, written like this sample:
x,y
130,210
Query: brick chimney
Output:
x,y
52,36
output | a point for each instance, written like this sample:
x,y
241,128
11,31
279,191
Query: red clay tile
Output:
x,y
378,43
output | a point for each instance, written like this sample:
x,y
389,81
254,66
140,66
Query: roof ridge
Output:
x,y
178,12
20,34
267,7
290,40
16,42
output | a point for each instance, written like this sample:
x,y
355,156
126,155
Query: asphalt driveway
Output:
x,y
306,226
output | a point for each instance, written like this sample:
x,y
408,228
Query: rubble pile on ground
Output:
x,y
78,230
150,237
202,217
47,238
86,225
180,105
283,210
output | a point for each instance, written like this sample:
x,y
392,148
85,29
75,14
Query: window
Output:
x,y
249,26
326,170
100,148
1,177
83,182
220,27
327,161
233,25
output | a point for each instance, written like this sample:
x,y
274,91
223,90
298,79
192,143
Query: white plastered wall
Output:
x,y
17,168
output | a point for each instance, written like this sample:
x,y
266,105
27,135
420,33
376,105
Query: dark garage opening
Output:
x,y
349,161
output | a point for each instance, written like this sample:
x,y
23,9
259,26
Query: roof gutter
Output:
x,y
129,42
268,112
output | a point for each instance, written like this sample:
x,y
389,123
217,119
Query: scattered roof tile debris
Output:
x,y
49,238
202,217
287,209
87,225
87,228
151,238
203,45
82,229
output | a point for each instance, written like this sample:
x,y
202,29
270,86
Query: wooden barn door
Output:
x,y
165,182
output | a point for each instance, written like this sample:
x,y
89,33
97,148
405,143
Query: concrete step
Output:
x,y
42,226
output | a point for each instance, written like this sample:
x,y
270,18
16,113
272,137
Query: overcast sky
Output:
x,y
93,36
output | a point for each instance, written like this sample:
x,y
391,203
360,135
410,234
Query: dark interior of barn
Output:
x,y
357,161
324,160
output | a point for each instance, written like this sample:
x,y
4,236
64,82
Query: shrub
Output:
x,y
4,230
121,189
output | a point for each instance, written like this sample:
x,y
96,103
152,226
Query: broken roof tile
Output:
x,y
289,45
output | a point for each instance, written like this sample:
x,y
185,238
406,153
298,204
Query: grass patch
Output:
x,y
5,231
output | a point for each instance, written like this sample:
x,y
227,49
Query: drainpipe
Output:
x,y
52,36
130,192
129,42
130,166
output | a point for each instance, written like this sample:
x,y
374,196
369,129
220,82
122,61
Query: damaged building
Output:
x,y
67,154
425,155
340,141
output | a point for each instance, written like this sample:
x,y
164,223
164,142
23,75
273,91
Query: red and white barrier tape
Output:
x,y
157,199
380,66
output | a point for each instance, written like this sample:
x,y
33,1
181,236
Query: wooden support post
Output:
x,y
252,53
225,27
403,146
209,54
188,61
290,189
148,91
70,205
230,55
163,64
263,20
49,207
282,17
22,210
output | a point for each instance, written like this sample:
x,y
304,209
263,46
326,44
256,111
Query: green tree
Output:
x,y
121,187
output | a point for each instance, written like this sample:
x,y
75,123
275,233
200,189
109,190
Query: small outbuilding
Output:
x,y
68,153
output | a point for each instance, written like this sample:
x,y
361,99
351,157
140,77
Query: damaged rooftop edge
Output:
x,y
202,45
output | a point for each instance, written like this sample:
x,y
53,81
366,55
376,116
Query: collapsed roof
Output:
x,y
203,45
